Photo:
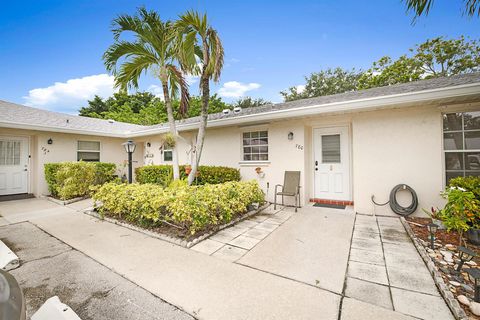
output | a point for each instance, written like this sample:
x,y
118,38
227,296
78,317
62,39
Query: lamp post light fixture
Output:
x,y
130,149
474,275
432,229
465,255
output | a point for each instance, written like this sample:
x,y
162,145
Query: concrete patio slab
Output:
x,y
353,309
367,244
367,228
312,247
267,226
375,294
259,234
244,242
367,256
417,280
368,272
366,235
81,205
24,210
208,246
230,253
198,289
420,305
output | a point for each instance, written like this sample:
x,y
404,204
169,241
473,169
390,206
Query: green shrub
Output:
x,y
471,184
163,174
67,180
156,174
50,176
191,208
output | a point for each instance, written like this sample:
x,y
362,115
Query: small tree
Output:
x,y
202,46
154,49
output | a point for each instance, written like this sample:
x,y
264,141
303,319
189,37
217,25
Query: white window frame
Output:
x,y
250,131
91,151
464,172
163,155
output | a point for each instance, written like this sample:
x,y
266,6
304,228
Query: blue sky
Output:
x,y
50,51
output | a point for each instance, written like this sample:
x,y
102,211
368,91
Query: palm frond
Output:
x,y
178,83
126,50
472,7
419,7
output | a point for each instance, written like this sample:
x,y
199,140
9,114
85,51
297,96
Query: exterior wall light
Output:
x,y
50,141
432,229
130,149
474,275
465,255
290,136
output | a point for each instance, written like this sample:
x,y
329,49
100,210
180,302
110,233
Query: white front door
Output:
x,y
13,165
332,163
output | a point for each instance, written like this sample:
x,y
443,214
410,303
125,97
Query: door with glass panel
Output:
x,y
13,165
331,163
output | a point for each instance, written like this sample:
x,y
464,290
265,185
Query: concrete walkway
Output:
x,y
386,270
211,288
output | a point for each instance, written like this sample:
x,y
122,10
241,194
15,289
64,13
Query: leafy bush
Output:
x,y
163,174
67,180
461,211
471,184
190,208
50,176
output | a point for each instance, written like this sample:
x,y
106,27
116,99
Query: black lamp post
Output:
x,y
432,229
129,148
474,275
465,255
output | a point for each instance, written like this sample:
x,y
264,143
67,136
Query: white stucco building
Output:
x,y
347,147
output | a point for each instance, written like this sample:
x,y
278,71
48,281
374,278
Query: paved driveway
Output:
x,y
49,267
296,272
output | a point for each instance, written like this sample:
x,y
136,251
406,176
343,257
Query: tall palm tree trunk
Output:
x,y
202,129
173,130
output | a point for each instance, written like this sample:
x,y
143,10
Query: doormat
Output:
x,y
20,196
328,205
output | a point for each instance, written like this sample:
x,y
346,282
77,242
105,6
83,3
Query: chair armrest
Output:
x,y
298,189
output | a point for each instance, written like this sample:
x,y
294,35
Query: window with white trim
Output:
x,y
255,146
461,143
88,151
167,155
9,153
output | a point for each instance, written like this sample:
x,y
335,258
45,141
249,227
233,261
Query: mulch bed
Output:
x,y
446,244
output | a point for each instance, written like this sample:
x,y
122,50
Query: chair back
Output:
x,y
291,181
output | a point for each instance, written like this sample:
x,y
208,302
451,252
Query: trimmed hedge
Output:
x,y
190,208
163,174
67,180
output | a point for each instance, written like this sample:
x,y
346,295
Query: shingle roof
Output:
x,y
19,114
22,115
410,87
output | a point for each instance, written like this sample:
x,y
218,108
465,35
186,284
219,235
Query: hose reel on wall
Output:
x,y
397,207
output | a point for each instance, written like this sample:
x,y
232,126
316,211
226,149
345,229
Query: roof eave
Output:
x,y
332,108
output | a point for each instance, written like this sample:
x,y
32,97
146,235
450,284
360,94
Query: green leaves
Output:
x,y
68,180
422,7
436,57
191,208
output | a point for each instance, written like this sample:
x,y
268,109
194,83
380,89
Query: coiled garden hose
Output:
x,y
395,206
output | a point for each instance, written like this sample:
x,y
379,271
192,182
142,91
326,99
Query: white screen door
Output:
x,y
13,165
332,163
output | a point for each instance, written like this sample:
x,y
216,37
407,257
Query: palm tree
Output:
x,y
420,7
202,55
155,50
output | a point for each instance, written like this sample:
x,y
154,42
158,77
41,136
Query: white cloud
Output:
x,y
235,89
69,96
300,88
157,91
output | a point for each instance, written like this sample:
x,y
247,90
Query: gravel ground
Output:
x,y
50,267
